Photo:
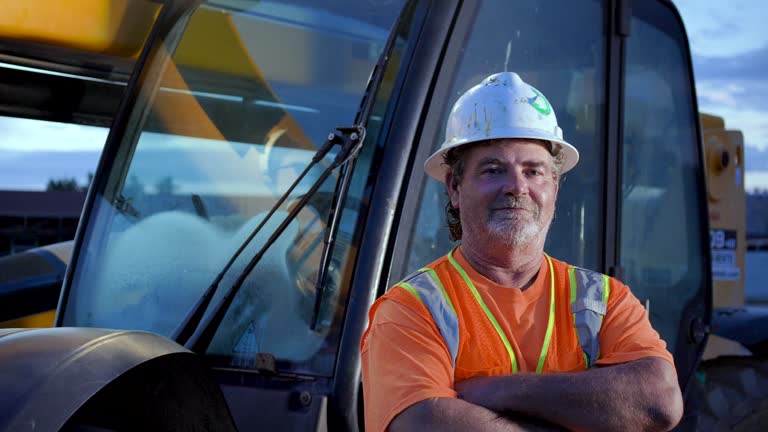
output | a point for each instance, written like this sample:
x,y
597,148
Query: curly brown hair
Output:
x,y
455,160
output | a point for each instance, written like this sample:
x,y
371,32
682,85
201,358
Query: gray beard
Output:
x,y
515,229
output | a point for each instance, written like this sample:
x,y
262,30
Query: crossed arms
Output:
x,y
641,395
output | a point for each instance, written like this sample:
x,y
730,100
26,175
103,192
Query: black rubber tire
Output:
x,y
735,395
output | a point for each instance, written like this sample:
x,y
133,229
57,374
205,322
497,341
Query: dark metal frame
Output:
x,y
618,24
65,60
696,327
69,99
402,129
429,125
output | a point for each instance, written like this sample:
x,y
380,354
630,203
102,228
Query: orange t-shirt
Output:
x,y
405,360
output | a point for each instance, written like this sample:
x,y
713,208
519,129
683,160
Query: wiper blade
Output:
x,y
202,332
331,230
190,322
342,187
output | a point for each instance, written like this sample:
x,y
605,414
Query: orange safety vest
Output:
x,y
450,296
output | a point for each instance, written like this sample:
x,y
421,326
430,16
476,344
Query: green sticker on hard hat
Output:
x,y
546,110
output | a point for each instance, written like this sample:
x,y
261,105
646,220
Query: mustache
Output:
x,y
516,202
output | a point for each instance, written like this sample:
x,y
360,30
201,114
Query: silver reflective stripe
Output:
x,y
588,310
432,296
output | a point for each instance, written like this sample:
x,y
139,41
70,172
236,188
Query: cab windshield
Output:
x,y
245,95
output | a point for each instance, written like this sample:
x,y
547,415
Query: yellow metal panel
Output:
x,y
117,27
212,42
710,122
42,319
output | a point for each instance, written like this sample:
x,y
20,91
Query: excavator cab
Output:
x,y
230,102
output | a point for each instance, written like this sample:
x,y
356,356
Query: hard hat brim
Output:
x,y
436,168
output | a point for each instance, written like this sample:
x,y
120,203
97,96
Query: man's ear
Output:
x,y
453,189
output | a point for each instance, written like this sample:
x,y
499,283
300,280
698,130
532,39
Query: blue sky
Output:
x,y
728,40
729,43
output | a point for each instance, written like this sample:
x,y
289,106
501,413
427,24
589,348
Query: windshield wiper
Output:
x,y
331,229
196,334
342,187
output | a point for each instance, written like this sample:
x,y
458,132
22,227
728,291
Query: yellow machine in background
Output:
x,y
733,372
30,283
724,152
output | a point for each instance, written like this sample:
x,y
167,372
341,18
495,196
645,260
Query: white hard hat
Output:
x,y
502,106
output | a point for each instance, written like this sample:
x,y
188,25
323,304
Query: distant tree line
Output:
x,y
68,184
133,188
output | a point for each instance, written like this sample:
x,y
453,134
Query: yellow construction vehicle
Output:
x,y
285,142
724,153
733,374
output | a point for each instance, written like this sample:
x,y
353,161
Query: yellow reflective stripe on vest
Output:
x,y
606,290
589,293
589,302
426,286
491,318
411,290
550,322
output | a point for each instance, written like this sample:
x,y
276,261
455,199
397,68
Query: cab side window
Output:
x,y
661,248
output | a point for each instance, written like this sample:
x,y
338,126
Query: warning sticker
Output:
x,y
723,258
726,274
723,246
722,239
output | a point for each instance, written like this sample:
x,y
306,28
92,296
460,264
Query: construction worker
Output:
x,y
497,335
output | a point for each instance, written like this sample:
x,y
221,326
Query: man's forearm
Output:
x,y
642,395
446,414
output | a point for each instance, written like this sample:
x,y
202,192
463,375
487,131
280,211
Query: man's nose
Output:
x,y
516,184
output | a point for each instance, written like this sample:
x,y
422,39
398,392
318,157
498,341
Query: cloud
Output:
x,y
736,88
722,29
729,45
738,98
27,135
747,66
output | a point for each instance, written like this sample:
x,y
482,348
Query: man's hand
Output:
x,y
642,395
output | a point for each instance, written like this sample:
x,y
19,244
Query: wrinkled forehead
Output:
x,y
533,148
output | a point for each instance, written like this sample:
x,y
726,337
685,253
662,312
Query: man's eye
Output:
x,y
535,173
